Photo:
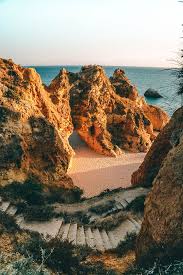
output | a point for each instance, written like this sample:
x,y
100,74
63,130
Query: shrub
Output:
x,y
63,195
110,222
102,208
59,256
137,205
30,191
78,217
21,266
127,244
34,193
41,213
8,223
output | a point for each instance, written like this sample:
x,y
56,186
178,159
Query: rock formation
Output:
x,y
152,93
161,235
35,124
35,120
122,85
109,115
162,145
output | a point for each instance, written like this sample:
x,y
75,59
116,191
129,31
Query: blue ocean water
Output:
x,y
163,80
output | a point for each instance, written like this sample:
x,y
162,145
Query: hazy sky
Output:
x,y
108,32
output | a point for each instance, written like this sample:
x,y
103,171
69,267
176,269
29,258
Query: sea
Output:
x,y
163,80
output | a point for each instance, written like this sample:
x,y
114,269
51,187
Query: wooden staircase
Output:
x,y
98,239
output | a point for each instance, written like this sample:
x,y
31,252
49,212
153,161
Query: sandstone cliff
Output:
x,y
159,150
35,124
161,234
109,115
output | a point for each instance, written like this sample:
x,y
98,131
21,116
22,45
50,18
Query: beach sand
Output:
x,y
94,173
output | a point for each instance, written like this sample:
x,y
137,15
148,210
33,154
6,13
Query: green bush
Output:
x,y
7,223
137,205
34,193
111,221
22,266
102,208
62,257
64,195
77,217
126,245
59,256
38,213
30,191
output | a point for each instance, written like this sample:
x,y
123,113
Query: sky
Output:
x,y
78,32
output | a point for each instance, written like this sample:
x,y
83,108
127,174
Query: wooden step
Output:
x,y
4,206
98,240
81,236
112,210
72,233
47,228
112,239
129,200
11,210
106,241
138,226
124,203
65,231
130,195
19,219
89,238
121,231
119,206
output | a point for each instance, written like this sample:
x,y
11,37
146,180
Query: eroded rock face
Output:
x,y
122,85
162,145
161,235
109,115
156,115
35,124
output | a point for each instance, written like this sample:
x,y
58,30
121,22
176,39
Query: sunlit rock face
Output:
x,y
161,233
109,115
36,120
122,85
159,150
35,124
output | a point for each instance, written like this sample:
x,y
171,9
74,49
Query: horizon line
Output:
x,y
81,65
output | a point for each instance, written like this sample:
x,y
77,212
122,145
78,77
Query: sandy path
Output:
x,y
94,173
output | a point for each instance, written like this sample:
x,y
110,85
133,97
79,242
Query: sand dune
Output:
x,y
95,173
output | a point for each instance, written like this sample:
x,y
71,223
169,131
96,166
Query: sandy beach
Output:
x,y
94,173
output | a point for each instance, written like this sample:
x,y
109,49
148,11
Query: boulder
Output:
x,y
35,124
156,115
164,142
109,115
161,234
152,93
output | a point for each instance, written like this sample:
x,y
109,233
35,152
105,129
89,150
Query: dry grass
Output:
x,y
110,261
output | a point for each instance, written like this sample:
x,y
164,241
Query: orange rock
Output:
x,y
161,233
157,153
109,117
34,127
